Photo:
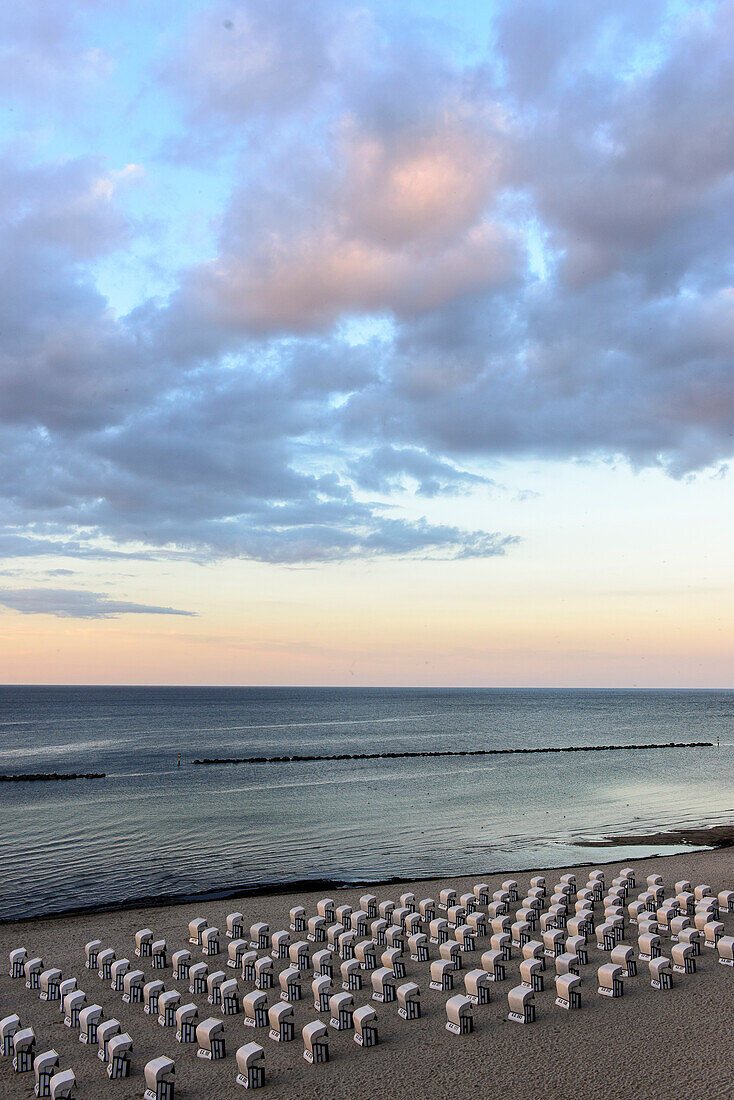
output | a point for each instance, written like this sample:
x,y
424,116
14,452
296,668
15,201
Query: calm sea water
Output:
x,y
152,828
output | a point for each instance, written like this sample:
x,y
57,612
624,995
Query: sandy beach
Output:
x,y
647,1043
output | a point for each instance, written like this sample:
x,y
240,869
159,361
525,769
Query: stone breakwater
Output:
x,y
467,752
43,777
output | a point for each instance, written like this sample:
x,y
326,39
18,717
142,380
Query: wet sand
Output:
x,y
715,836
648,1043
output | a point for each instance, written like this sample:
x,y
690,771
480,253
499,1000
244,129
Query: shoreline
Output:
x,y
711,838
714,836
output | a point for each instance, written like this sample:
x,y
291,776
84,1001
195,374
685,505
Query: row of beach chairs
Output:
x,y
330,937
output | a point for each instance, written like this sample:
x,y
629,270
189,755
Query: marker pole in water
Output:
x,y
179,760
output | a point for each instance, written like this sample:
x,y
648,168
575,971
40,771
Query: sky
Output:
x,y
384,343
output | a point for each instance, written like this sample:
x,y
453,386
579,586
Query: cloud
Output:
x,y
13,545
397,224
308,283
427,261
244,59
387,468
41,56
66,363
70,603
620,155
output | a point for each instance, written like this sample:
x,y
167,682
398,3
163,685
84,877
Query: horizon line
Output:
x,y
377,687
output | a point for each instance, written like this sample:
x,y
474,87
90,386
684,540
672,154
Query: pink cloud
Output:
x,y
308,282
393,224
422,188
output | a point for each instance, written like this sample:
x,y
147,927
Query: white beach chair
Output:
x,y
383,985
459,1016
521,1003
322,989
187,1018
24,1049
62,1085
45,1065
281,1021
106,1030
610,980
180,962
568,991
255,1009
196,928
210,1038
119,1049
409,1003
341,1007
661,973
364,1020
234,925
168,1002
159,1079
477,986
90,1018
251,1066
315,1043
151,992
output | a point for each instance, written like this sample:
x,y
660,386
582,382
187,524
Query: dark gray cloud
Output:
x,y
423,264
66,363
70,603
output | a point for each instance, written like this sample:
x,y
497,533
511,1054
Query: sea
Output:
x,y
157,829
